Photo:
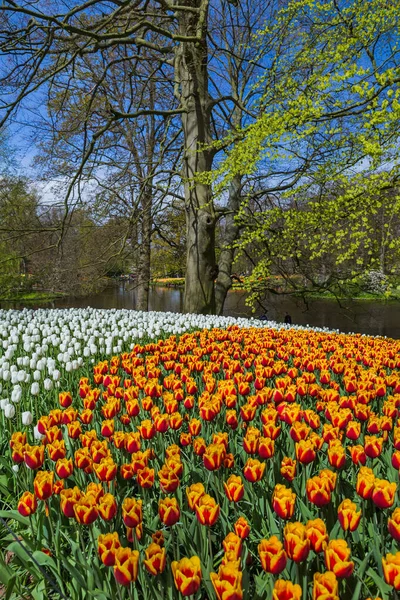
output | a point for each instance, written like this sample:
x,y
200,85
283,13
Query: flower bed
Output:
x,y
222,463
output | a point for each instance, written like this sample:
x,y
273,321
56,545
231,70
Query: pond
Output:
x,y
361,316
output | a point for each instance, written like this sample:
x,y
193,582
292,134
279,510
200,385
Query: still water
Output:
x,y
363,316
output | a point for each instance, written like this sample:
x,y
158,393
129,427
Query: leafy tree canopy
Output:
x,y
329,107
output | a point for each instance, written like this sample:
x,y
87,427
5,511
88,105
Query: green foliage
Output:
x,y
329,107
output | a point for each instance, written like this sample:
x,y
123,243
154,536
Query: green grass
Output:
x,y
31,297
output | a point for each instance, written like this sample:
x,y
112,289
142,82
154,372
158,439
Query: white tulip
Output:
x,y
15,468
48,384
27,418
35,389
9,411
16,394
4,402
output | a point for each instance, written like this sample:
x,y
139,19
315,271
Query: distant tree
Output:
x,y
19,225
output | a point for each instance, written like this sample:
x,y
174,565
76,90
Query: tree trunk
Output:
x,y
224,280
143,282
192,90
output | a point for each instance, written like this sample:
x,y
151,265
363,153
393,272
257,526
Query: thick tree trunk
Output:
x,y
224,280
143,282
192,91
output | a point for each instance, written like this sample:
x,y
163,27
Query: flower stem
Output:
x,y
210,548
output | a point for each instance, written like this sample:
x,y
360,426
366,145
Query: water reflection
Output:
x,y
375,318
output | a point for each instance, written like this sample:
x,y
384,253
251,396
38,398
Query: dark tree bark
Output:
x,y
192,90
143,281
224,279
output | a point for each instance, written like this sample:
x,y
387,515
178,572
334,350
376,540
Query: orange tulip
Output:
x,y
305,451
132,513
155,560
169,480
96,490
74,430
283,501
207,510
106,469
107,427
227,582
195,427
139,461
65,399
231,419
43,484
325,586
168,510
64,468
348,516
337,554
68,498
373,445
286,590
229,461
194,493
232,543
27,504
394,525
242,528
69,415
383,493
297,545
272,555
317,534
336,454
353,430
107,546
34,456
357,454
17,452
145,478
234,488
126,565
199,446
187,575
86,416
132,442
253,470
107,507
271,430
288,468
318,491
365,482
147,429
214,456
266,447
85,510
250,443
299,431
176,421
391,569
18,437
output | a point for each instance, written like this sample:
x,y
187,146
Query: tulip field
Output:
x,y
166,456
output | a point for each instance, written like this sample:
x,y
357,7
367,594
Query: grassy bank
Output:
x,y
32,297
